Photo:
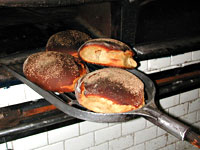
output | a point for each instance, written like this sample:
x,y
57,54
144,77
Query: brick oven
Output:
x,y
166,39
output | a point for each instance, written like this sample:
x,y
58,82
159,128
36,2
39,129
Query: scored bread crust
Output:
x,y
110,90
53,71
67,41
107,52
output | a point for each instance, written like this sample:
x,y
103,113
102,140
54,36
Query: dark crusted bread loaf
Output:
x,y
67,41
110,90
53,71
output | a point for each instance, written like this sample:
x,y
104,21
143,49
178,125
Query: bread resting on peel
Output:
x,y
110,90
53,71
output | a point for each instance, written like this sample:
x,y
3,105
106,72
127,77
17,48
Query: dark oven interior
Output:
x,y
26,26
172,27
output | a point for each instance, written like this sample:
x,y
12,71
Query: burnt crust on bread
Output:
x,y
107,52
67,41
110,90
53,71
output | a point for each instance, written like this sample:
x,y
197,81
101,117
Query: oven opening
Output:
x,y
29,28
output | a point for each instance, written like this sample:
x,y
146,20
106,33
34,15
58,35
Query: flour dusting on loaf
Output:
x,y
54,71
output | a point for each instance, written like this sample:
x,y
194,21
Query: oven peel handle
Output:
x,y
171,125
193,138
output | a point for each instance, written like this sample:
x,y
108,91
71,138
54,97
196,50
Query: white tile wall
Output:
x,y
169,147
133,126
171,139
190,117
103,146
181,58
6,146
121,143
63,133
188,96
87,126
137,134
144,135
56,146
12,95
196,55
168,68
190,63
179,110
149,124
80,142
31,142
158,63
17,94
156,143
30,94
4,97
107,134
160,131
169,101
194,105
137,147
143,65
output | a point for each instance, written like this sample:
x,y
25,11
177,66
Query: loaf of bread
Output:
x,y
67,41
53,71
110,90
107,52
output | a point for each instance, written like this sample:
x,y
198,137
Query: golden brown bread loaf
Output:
x,y
53,71
110,90
67,41
107,52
